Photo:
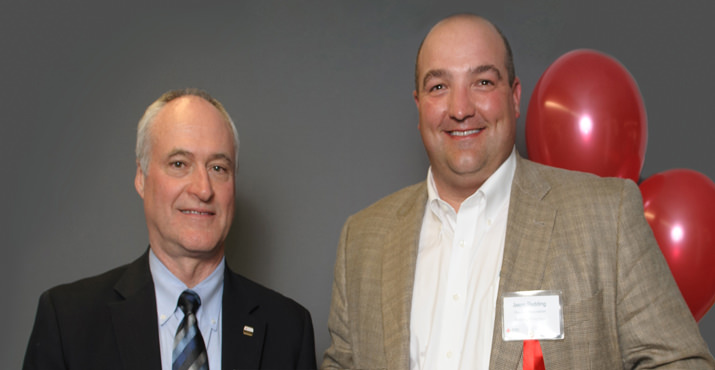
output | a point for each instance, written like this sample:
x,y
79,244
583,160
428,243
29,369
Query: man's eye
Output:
x,y
485,83
178,164
218,168
436,87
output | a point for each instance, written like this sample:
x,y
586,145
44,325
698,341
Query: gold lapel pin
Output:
x,y
248,330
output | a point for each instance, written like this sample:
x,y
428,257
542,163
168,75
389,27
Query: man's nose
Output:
x,y
460,104
201,185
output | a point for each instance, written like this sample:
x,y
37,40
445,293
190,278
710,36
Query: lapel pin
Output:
x,y
248,330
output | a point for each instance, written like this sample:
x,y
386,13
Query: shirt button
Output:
x,y
449,354
461,243
455,297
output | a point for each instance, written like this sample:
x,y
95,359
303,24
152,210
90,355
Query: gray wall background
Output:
x,y
321,93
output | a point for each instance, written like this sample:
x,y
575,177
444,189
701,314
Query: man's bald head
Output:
x,y
465,19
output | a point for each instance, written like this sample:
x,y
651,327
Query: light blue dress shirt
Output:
x,y
168,288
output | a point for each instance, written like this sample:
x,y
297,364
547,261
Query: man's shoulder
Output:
x,y
89,285
574,187
84,297
559,178
397,203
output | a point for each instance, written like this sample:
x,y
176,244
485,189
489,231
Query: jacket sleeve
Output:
x,y
44,350
656,328
340,353
306,359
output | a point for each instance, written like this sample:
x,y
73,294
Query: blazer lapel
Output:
x,y
528,236
239,349
398,276
134,318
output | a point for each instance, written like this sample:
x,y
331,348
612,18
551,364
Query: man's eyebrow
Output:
x,y
222,156
487,68
186,153
437,73
433,73
179,152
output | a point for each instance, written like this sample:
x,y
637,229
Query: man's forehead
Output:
x,y
191,124
185,111
461,24
464,43
459,35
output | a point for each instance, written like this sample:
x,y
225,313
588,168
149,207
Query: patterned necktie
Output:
x,y
189,348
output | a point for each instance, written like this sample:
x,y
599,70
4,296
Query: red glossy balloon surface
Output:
x,y
586,113
680,208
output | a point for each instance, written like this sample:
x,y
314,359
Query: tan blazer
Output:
x,y
569,231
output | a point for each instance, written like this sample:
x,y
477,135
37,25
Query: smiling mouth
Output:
x,y
192,212
464,133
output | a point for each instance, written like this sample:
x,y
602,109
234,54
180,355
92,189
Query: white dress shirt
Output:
x,y
457,275
168,288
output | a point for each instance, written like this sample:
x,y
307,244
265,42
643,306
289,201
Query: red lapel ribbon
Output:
x,y
533,358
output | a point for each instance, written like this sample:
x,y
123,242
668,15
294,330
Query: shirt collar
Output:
x,y
495,190
168,289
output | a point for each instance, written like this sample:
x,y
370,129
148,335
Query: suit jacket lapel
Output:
x,y
134,318
528,235
240,351
398,276
138,337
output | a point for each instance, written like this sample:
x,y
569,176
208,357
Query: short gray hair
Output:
x,y
143,148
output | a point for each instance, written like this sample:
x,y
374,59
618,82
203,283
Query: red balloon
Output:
x,y
586,113
680,208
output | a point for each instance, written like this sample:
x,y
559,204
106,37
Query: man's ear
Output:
x,y
516,96
415,95
139,181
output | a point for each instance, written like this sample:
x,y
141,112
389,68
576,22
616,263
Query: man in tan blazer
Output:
x,y
560,230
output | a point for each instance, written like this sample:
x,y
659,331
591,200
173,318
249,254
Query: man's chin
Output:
x,y
203,248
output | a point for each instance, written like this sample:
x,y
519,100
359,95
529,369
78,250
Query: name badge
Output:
x,y
533,315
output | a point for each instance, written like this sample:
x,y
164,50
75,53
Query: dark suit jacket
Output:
x,y
574,232
110,322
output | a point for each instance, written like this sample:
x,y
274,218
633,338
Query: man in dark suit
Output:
x,y
421,275
128,318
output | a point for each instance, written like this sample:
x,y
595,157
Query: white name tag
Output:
x,y
536,314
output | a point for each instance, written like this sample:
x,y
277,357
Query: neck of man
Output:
x,y
455,192
454,188
190,269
